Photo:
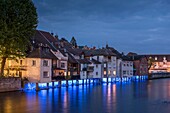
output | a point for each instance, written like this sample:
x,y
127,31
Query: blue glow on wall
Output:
x,y
87,81
30,86
118,79
69,82
104,80
63,83
50,84
42,85
84,81
80,81
109,80
55,84
74,82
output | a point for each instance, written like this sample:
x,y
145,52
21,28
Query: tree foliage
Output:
x,y
73,42
18,21
150,63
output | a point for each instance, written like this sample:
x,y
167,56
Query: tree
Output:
x,y
18,21
150,63
73,42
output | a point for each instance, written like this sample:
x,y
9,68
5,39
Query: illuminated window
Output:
x,y
33,63
109,72
114,72
104,72
156,58
45,74
164,58
45,62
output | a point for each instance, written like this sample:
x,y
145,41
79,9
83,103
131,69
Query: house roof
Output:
x,y
126,58
95,61
71,59
83,61
98,52
118,55
44,38
39,53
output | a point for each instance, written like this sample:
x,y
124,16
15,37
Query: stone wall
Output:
x,y
10,84
160,75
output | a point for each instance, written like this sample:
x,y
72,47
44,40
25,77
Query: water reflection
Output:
x,y
137,97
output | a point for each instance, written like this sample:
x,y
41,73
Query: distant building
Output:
x,y
159,63
140,63
126,67
107,59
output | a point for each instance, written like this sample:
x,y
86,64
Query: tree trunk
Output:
x,y
3,66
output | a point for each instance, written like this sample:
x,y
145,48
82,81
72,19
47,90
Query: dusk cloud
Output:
x,y
128,25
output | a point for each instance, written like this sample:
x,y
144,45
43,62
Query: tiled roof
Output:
x,y
71,59
41,37
95,61
98,52
126,58
118,55
84,61
39,53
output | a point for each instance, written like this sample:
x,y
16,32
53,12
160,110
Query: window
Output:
x,y
131,64
33,63
156,58
96,66
109,72
45,74
20,62
45,62
97,58
96,73
127,64
124,72
164,58
62,65
124,64
114,72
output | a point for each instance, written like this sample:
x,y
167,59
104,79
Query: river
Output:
x,y
151,96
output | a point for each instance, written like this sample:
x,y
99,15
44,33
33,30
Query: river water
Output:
x,y
135,97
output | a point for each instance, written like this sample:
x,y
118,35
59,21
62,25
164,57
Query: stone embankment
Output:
x,y
159,75
10,84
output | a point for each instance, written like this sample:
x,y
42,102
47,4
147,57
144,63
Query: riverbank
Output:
x,y
159,76
10,84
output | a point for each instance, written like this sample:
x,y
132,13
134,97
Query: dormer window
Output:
x,y
164,58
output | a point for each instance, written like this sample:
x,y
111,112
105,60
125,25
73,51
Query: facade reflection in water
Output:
x,y
138,97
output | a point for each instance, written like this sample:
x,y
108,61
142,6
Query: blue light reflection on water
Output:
x,y
120,97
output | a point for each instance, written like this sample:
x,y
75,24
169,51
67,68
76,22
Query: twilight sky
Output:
x,y
141,26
